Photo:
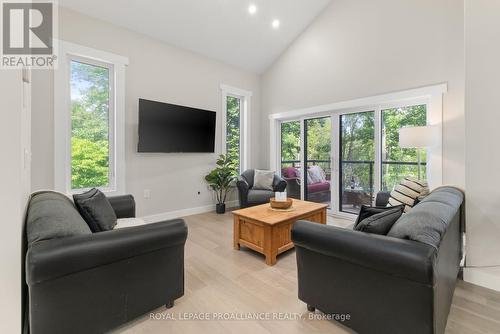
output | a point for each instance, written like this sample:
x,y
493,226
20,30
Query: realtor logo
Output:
x,y
28,29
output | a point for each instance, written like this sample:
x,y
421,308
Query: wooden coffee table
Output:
x,y
268,231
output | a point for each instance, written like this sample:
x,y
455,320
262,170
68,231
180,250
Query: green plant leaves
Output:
x,y
221,178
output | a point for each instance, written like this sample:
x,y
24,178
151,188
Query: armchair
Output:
x,y
249,196
402,282
84,282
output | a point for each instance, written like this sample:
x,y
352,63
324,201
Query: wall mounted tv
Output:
x,y
170,128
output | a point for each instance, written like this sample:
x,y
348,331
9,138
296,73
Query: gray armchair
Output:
x,y
249,196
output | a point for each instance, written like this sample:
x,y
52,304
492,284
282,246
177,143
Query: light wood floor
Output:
x,y
220,279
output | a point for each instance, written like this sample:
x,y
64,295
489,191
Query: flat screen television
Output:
x,y
170,128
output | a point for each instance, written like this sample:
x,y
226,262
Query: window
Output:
x,y
91,118
357,160
290,157
364,147
89,134
399,162
317,159
233,130
236,103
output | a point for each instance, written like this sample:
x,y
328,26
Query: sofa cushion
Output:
x,y
380,223
263,180
129,222
259,196
318,187
97,211
427,222
77,198
368,211
53,215
317,174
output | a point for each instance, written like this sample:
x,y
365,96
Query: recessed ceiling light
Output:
x,y
276,24
252,9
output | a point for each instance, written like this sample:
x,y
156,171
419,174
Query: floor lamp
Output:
x,y
418,137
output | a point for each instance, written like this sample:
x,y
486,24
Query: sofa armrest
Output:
x,y
382,198
124,206
279,184
398,257
243,188
242,185
50,259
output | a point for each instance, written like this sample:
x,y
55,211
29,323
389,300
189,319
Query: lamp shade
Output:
x,y
418,136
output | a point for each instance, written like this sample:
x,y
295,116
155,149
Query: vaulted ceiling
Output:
x,y
221,29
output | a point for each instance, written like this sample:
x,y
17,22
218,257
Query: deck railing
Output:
x,y
326,166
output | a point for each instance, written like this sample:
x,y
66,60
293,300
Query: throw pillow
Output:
x,y
317,174
77,198
368,211
96,210
380,223
263,180
407,192
309,177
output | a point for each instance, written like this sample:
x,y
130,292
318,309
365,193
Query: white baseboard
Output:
x,y
485,277
186,212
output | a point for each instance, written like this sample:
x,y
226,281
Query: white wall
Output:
x,y
360,48
156,71
42,130
12,200
482,23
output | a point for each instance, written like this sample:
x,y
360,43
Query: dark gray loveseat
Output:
x,y
84,282
399,283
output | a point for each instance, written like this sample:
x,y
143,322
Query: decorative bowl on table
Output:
x,y
281,205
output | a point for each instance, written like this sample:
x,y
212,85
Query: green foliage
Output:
x,y
89,126
319,138
358,149
290,141
392,121
90,163
233,132
221,178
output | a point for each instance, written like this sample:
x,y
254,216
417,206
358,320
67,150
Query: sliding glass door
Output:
x,y
317,159
291,157
356,160
344,158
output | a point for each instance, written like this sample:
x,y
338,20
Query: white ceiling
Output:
x,y
220,29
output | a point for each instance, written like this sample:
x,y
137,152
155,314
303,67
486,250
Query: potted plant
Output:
x,y
220,180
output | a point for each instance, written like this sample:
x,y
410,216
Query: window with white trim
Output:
x,y
89,137
366,155
235,105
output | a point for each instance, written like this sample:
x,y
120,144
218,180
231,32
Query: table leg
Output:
x,y
323,216
270,249
236,233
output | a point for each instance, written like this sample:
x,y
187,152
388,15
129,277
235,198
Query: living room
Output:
x,y
331,116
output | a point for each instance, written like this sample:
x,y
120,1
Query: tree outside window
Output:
x,y
233,130
89,126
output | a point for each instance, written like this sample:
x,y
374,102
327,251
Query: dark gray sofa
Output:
x,y
84,282
399,283
249,196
